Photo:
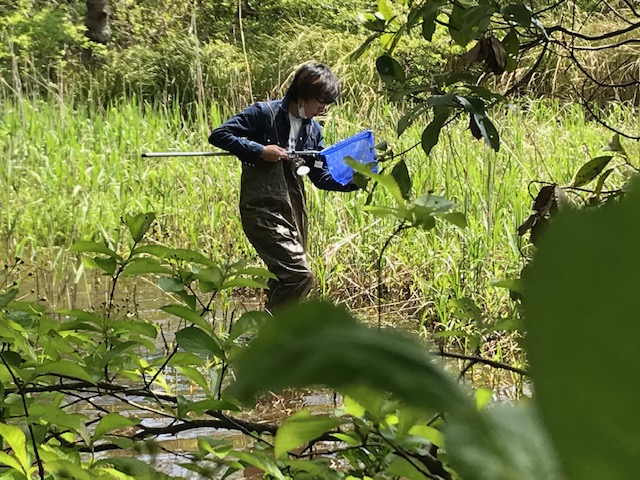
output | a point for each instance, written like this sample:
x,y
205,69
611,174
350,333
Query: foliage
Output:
x,y
580,297
492,39
392,388
41,38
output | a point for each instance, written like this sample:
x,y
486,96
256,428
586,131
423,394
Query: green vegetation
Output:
x,y
500,229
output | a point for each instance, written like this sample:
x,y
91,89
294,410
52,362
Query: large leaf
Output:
x,y
15,438
591,170
390,70
401,175
143,266
387,181
431,133
300,428
248,322
111,422
7,297
468,23
582,304
191,257
192,339
133,467
94,247
139,224
317,343
187,314
65,367
517,13
511,445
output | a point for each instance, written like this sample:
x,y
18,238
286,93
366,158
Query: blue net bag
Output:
x,y
359,147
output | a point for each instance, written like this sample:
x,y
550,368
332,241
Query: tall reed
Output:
x,y
72,173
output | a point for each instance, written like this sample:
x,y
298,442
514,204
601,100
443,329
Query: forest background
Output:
x,y
502,137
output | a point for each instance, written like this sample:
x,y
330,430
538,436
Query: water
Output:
x,y
171,450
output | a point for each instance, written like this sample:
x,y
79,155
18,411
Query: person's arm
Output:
x,y
320,175
234,135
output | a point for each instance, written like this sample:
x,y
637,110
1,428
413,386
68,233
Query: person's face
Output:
x,y
313,107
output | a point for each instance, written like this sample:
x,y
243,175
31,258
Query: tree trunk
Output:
x,y
97,21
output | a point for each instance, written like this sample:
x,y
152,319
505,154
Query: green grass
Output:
x,y
72,173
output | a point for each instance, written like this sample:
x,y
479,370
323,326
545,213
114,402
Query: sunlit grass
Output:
x,y
72,173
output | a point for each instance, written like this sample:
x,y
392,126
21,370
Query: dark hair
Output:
x,y
314,80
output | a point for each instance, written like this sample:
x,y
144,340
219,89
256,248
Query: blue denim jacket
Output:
x,y
267,123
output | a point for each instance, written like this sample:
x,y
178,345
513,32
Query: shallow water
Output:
x,y
144,301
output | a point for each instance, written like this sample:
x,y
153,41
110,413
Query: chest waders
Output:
x,y
274,218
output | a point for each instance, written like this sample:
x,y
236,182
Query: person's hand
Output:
x,y
273,153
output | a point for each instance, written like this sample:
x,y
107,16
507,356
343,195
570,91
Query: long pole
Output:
x,y
184,154
301,153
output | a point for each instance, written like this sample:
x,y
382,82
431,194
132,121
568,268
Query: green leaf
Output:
x,y
517,13
111,422
187,314
400,467
8,460
12,358
65,367
488,131
211,275
143,266
248,322
429,16
513,284
159,251
384,7
195,376
141,327
400,174
7,297
390,70
435,203
365,46
511,43
170,284
510,444
184,359
17,441
255,271
468,23
316,343
300,428
131,466
94,247
139,224
616,146
590,170
107,265
456,218
581,315
387,181
431,133
433,435
191,257
192,339
262,461
409,118
473,105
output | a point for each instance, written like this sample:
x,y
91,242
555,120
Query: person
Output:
x,y
272,195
